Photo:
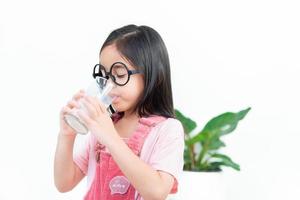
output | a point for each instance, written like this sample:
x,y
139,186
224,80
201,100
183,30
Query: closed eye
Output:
x,y
121,75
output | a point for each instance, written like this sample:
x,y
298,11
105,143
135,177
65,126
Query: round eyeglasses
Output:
x,y
119,73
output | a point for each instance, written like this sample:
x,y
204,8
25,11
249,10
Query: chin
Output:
x,y
117,108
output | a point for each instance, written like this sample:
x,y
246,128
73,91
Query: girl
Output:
x,y
138,152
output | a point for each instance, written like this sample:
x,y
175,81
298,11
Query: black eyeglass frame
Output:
x,y
109,74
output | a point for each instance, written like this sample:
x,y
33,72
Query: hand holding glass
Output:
x,y
99,88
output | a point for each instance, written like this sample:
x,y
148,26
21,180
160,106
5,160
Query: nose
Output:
x,y
111,82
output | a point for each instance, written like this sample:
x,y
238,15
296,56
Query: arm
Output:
x,y
66,173
150,183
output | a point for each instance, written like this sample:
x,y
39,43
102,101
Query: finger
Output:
x,y
65,110
89,107
102,107
73,104
78,95
95,102
84,117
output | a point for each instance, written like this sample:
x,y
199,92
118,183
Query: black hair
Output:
x,y
144,48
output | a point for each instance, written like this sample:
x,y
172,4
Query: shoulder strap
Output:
x,y
151,121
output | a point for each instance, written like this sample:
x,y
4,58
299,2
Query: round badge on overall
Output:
x,y
119,185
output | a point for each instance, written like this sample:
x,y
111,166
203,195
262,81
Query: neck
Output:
x,y
130,116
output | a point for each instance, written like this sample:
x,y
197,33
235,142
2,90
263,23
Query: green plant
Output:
x,y
209,141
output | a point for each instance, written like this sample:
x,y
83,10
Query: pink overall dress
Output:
x,y
109,182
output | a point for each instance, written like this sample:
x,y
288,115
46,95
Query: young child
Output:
x,y
138,152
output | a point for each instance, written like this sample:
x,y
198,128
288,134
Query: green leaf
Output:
x,y
211,167
216,144
188,124
187,156
243,113
200,137
220,125
209,140
226,161
225,123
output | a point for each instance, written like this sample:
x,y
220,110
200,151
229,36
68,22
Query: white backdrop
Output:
x,y
225,56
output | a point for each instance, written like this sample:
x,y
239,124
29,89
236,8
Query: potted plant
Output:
x,y
202,154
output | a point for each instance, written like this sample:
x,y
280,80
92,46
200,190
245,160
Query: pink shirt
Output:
x,y
163,150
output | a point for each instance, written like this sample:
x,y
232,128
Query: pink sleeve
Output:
x,y
167,155
81,155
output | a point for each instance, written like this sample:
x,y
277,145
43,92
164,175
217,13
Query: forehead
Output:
x,y
110,55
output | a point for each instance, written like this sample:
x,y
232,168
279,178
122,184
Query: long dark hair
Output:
x,y
144,48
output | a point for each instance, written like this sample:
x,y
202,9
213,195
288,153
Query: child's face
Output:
x,y
128,95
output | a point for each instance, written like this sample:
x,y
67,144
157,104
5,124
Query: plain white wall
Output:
x,y
225,56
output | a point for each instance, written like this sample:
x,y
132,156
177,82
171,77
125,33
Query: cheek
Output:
x,y
139,86
129,95
132,94
133,89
